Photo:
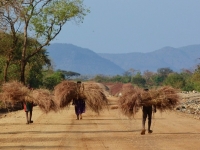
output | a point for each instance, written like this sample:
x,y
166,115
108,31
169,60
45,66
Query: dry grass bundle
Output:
x,y
94,97
114,107
129,102
64,93
14,92
164,98
44,99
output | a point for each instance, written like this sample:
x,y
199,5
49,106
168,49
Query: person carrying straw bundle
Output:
x,y
79,102
163,98
147,112
28,108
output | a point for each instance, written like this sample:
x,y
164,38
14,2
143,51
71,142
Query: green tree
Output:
x,y
126,79
51,80
11,60
164,71
157,79
101,78
195,79
8,45
189,85
69,74
35,68
116,78
39,19
175,80
147,75
139,80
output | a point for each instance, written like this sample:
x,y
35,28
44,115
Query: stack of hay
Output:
x,y
93,95
15,92
129,102
164,98
44,99
64,93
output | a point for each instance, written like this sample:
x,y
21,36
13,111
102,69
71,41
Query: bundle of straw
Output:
x,y
164,98
129,102
14,92
94,97
44,99
64,93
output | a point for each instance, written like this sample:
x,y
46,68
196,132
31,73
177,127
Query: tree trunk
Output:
x,y
6,71
23,65
23,58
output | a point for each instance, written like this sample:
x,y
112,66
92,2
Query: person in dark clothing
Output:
x,y
28,108
79,108
147,112
79,103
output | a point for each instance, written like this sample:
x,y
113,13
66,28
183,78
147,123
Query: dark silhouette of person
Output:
x,y
147,112
79,103
28,108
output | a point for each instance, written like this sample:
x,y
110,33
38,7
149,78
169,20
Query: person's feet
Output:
x,y
143,132
150,131
31,121
27,122
77,117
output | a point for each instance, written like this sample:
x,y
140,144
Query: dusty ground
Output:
x,y
110,130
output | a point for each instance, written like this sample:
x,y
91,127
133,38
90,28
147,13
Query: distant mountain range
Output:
x,y
86,62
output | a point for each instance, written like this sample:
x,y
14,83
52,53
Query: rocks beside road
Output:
x,y
190,104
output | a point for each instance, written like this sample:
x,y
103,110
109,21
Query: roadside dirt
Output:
x,y
108,131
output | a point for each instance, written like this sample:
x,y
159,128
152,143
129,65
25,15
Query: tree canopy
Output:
x,y
42,20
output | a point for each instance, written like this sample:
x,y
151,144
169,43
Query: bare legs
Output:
x,y
79,116
28,117
147,111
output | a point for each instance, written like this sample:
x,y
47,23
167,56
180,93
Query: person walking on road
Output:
x,y
147,112
28,108
79,103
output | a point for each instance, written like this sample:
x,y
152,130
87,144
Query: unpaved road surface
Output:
x,y
108,131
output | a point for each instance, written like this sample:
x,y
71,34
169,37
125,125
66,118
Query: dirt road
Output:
x,y
110,130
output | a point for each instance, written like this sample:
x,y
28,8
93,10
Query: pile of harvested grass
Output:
x,y
129,102
164,98
64,93
44,99
114,107
94,97
14,92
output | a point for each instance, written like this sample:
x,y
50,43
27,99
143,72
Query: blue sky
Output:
x,y
123,26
